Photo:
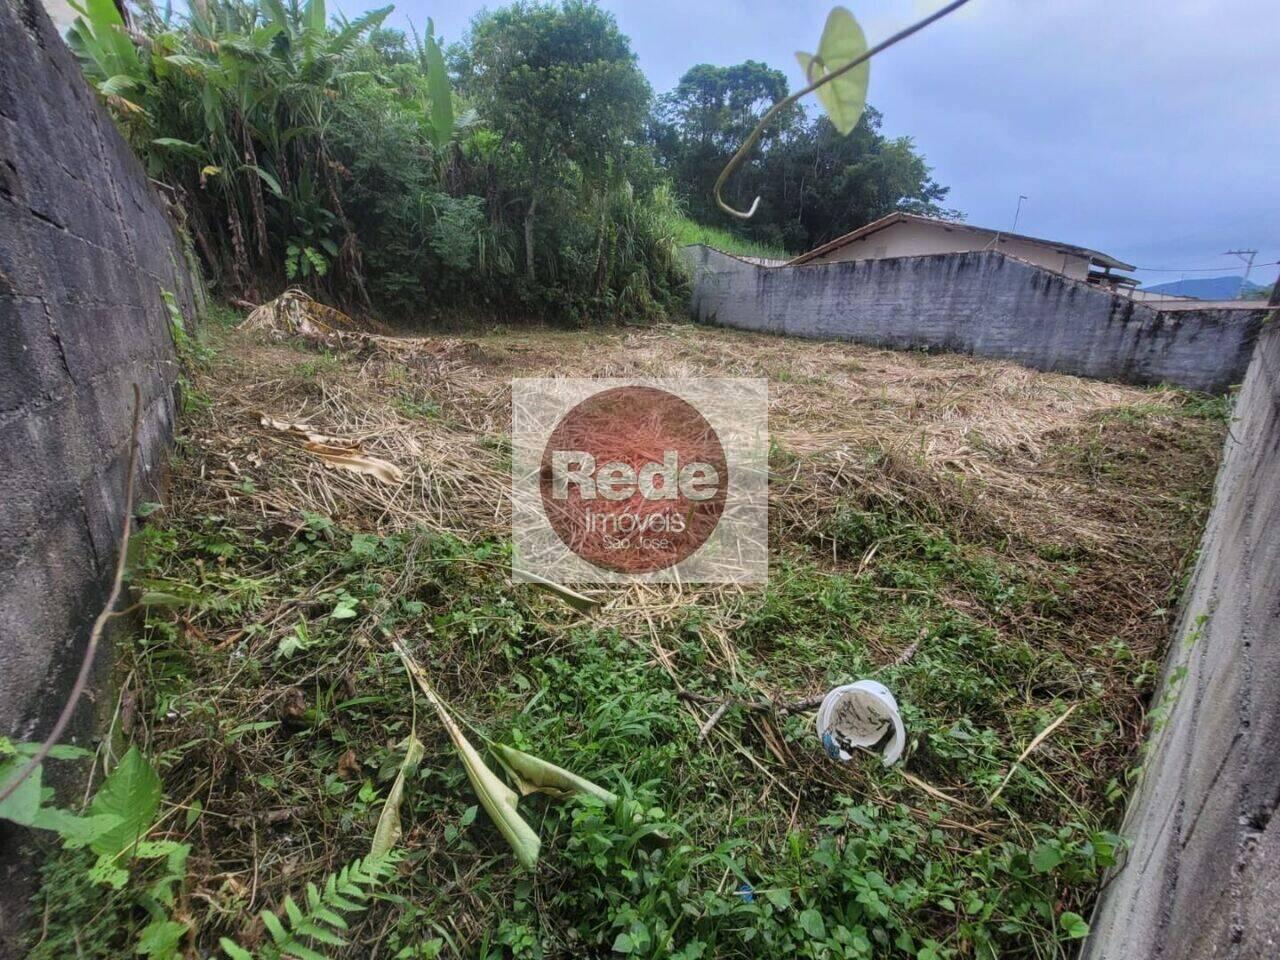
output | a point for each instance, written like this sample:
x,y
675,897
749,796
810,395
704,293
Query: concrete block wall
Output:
x,y
86,251
983,303
1202,877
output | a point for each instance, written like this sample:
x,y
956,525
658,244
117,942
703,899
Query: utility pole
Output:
x,y
1017,212
1247,256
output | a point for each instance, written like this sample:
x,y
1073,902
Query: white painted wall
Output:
x,y
909,238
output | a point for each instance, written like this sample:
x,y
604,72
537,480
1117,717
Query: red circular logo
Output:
x,y
633,479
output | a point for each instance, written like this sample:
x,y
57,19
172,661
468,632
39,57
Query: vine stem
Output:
x,y
99,624
754,136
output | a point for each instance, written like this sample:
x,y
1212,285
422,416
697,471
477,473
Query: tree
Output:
x,y
563,84
814,183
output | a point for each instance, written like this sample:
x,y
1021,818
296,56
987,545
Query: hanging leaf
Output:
x,y
387,833
845,97
269,179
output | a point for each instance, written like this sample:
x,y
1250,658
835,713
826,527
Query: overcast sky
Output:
x,y
1147,130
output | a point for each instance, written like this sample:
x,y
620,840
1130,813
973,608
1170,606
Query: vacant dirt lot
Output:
x,y
1000,547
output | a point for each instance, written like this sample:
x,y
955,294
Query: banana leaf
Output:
x,y
534,775
498,800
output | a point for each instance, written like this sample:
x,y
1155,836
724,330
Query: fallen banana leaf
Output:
x,y
580,602
344,459
498,800
534,775
387,834
285,426
308,431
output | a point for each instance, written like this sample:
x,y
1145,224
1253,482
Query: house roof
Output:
x,y
1093,256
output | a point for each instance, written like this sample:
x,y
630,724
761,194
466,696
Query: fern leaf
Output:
x,y
274,927
318,933
323,913
233,950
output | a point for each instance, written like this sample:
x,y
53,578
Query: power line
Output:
x,y
1271,263
1247,256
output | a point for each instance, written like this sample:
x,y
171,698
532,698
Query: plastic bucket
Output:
x,y
861,715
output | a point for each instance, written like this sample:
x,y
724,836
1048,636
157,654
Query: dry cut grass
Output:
x,y
999,545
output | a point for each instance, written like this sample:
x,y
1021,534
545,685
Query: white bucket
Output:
x,y
861,714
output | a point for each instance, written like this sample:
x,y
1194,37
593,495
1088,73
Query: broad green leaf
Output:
x,y
1074,925
533,774
75,831
114,86
845,97
1045,857
441,95
812,924
108,873
174,143
186,62
132,793
314,12
780,897
23,805
387,833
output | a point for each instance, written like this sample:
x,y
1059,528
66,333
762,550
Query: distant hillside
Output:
x,y
1207,288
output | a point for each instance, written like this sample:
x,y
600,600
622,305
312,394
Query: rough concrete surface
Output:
x,y
1202,877
85,253
983,303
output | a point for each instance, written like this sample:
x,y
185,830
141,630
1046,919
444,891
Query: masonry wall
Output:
x,y
983,303
86,251
1202,878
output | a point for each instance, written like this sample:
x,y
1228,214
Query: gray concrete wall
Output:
x,y
982,303
85,253
1202,878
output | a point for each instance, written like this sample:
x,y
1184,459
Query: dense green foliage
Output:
x,y
335,154
687,231
526,170
814,184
